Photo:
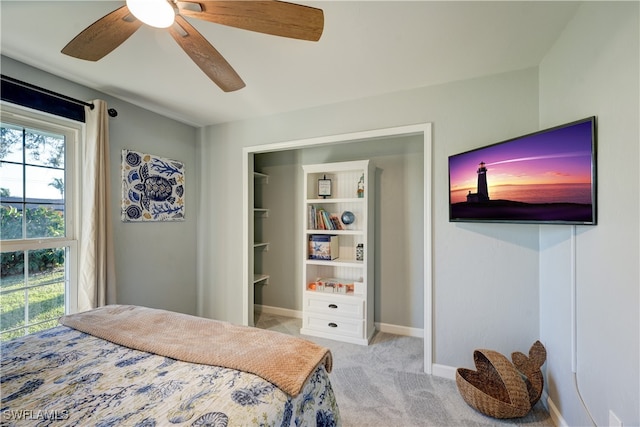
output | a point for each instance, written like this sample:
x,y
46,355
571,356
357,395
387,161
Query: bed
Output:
x,y
135,366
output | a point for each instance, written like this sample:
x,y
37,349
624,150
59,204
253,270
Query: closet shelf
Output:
x,y
261,212
260,279
261,176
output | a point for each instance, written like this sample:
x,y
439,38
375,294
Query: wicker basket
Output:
x,y
502,389
496,388
530,368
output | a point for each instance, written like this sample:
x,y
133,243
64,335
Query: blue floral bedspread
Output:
x,y
63,377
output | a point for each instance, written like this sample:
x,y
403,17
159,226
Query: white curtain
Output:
x,y
96,279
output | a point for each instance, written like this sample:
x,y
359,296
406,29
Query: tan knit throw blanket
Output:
x,y
283,360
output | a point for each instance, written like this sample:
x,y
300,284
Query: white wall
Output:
x,y
155,262
485,276
593,69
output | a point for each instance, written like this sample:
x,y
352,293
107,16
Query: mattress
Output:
x,y
62,376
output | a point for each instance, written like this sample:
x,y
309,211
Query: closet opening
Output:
x,y
408,144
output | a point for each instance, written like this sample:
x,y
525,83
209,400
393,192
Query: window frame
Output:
x,y
73,132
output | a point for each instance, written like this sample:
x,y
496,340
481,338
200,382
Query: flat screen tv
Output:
x,y
546,177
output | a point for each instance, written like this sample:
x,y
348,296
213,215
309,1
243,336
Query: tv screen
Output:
x,y
547,177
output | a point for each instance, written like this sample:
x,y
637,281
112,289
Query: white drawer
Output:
x,y
335,325
352,307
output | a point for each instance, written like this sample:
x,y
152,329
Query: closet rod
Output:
x,y
112,112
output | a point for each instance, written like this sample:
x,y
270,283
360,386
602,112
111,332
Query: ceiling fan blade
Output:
x,y
270,17
205,55
103,36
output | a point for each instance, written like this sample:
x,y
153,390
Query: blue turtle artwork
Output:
x,y
152,188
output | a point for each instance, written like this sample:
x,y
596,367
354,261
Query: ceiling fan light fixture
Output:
x,y
157,13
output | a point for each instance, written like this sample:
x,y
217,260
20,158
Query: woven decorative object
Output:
x,y
502,389
530,368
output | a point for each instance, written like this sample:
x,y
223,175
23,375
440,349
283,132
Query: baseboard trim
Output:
x,y
444,371
278,311
554,413
399,330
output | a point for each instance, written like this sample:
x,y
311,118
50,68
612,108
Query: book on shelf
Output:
x,y
320,219
311,217
335,221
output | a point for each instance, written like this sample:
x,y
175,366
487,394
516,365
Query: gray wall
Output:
x,y
501,286
398,224
495,286
593,69
155,262
281,262
485,276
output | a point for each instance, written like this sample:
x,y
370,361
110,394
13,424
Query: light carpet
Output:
x,y
383,384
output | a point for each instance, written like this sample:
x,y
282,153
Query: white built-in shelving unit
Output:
x,y
346,313
259,246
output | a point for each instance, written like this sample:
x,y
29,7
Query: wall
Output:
x,y
398,199
593,69
280,195
485,276
155,262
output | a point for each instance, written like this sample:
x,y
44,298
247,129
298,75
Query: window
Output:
x,y
38,231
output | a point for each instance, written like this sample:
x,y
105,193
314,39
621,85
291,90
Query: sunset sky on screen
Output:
x,y
560,156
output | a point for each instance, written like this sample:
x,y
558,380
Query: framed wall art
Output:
x,y
152,188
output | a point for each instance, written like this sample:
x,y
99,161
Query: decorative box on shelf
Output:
x,y
323,247
358,286
332,286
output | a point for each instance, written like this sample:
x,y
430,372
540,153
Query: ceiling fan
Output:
x,y
267,16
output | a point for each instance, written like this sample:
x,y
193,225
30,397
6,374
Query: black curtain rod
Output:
x,y
112,112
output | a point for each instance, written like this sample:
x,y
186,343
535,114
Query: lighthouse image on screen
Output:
x,y
545,177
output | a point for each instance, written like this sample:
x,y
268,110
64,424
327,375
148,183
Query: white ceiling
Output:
x,y
367,49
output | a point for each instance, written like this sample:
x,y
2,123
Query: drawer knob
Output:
x,y
333,325
333,306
